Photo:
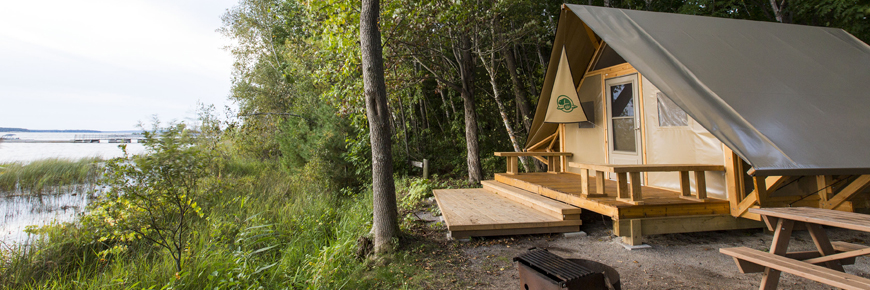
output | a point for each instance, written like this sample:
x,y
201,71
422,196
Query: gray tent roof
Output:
x,y
789,99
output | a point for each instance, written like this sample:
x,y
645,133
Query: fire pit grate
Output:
x,y
540,269
555,267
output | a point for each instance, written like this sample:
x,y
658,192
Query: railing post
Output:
x,y
622,186
701,183
636,195
551,164
599,182
512,167
685,184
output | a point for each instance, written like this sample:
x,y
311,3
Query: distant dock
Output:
x,y
107,138
85,138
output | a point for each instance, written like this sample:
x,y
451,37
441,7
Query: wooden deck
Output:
x,y
532,203
479,212
565,187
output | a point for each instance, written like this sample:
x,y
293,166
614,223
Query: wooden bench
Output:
x,y
824,265
751,260
633,193
552,160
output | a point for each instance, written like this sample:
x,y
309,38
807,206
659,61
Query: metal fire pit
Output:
x,y
540,269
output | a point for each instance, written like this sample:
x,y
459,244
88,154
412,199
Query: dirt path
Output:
x,y
676,261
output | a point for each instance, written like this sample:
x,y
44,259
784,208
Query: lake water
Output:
x,y
17,210
26,152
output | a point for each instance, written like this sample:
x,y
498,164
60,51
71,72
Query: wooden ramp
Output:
x,y
482,212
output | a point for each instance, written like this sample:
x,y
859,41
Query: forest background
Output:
x,y
280,194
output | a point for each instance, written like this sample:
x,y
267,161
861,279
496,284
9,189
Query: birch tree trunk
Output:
x,y
385,225
442,92
489,65
778,11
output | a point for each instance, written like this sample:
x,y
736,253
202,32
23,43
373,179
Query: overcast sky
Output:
x,y
108,64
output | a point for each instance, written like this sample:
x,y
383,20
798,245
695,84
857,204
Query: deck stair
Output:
x,y
499,209
536,201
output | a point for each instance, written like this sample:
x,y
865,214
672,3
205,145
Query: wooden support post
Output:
x,y
512,167
779,247
733,179
635,237
701,184
563,160
825,192
622,186
685,187
551,164
426,167
636,195
585,187
599,182
820,238
760,189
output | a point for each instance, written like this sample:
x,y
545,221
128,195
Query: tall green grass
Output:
x,y
263,229
40,175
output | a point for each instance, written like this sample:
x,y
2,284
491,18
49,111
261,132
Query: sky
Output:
x,y
108,65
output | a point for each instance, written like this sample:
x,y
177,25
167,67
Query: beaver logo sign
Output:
x,y
563,103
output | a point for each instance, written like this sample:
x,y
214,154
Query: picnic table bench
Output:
x,y
824,265
631,192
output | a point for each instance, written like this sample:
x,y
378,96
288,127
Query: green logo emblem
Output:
x,y
564,104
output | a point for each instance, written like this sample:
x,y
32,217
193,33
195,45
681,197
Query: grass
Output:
x,y
41,175
262,229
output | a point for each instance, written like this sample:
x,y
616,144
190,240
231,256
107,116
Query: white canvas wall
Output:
x,y
691,144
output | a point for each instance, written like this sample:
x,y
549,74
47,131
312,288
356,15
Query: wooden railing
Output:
x,y
552,160
631,192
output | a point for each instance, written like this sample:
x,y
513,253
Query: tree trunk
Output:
x,y
778,11
385,223
443,92
466,65
405,131
489,65
530,71
519,90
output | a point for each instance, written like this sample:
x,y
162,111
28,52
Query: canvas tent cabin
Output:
x,y
681,123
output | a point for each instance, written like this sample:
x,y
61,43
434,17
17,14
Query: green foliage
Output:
x,y
41,175
152,196
261,227
276,198
413,191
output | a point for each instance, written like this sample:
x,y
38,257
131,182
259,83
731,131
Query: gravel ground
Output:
x,y
675,261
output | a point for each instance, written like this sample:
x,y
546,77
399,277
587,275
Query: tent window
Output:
x,y
608,58
622,115
670,115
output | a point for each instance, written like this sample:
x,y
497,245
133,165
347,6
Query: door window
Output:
x,y
622,112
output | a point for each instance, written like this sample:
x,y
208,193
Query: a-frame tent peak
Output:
x,y
789,99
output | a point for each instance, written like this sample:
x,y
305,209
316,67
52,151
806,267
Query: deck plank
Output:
x,y
477,209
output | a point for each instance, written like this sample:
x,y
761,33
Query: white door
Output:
x,y
623,121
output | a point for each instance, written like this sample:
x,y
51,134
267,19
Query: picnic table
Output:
x,y
824,265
